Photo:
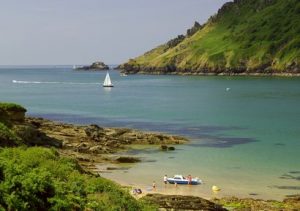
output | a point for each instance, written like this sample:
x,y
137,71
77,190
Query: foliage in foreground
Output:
x,y
39,179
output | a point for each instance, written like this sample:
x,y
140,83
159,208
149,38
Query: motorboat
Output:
x,y
181,180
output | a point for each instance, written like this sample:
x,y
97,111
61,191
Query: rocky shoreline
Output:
x,y
93,144
129,69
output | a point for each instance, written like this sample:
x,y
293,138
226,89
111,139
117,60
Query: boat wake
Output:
x,y
48,82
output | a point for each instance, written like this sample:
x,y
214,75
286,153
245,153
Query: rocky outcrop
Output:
x,y
190,32
233,203
14,131
128,160
176,203
12,112
93,143
95,66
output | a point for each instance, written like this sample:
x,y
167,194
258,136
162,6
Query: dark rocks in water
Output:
x,y
171,148
116,168
288,176
166,148
284,187
128,160
176,202
95,66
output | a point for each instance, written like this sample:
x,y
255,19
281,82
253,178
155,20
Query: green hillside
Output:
x,y
245,36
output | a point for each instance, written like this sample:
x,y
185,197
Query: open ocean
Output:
x,y
244,131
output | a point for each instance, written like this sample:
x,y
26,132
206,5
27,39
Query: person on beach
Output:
x,y
153,186
189,179
165,179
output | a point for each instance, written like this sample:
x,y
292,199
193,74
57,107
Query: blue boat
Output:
x,y
180,180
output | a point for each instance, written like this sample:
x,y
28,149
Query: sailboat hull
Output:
x,y
108,85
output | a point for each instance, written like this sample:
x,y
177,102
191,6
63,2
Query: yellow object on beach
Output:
x,y
215,188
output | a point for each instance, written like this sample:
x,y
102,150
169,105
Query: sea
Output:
x,y
244,131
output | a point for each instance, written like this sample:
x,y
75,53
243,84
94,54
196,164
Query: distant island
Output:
x,y
95,66
245,37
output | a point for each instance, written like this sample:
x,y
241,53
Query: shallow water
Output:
x,y
244,139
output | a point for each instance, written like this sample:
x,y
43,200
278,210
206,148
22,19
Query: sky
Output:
x,y
70,32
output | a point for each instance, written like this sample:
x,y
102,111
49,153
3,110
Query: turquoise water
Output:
x,y
242,139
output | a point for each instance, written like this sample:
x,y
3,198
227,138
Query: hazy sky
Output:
x,y
83,31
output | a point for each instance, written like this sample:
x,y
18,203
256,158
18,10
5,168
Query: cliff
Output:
x,y
244,37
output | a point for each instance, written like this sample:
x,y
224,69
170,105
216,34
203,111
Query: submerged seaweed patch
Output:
x,y
223,142
288,176
286,187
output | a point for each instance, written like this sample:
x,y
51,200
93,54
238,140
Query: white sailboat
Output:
x,y
107,81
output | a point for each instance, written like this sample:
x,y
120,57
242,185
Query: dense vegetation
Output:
x,y
37,178
244,36
11,107
8,137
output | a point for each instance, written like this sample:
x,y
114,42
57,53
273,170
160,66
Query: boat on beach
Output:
x,y
107,82
181,180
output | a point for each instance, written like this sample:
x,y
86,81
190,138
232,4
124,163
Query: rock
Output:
x,y
96,149
33,137
164,147
293,199
128,160
176,202
12,112
95,66
94,132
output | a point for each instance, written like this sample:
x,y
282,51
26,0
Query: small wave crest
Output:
x,y
48,82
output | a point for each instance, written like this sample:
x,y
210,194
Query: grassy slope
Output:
x,y
252,35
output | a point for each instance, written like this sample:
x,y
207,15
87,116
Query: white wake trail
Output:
x,y
48,82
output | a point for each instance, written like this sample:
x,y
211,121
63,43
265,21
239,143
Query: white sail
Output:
x,y
107,81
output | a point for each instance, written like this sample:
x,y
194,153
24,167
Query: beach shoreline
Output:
x,y
99,150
